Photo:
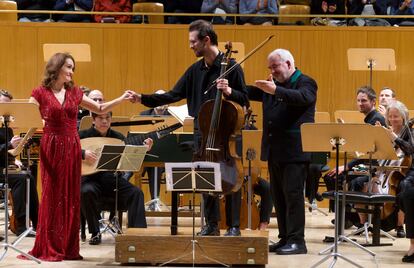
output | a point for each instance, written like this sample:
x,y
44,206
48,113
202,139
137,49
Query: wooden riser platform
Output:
x,y
155,245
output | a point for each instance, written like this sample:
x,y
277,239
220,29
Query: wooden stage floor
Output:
x,y
317,227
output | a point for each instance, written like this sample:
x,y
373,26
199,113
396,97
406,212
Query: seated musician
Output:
x,y
366,98
98,186
17,182
400,133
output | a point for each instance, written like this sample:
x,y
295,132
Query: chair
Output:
x,y
150,8
349,116
294,10
8,5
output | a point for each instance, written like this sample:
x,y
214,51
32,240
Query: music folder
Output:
x,y
193,177
121,157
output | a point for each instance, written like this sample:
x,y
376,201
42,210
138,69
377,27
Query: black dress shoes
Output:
x,y
292,248
275,246
209,230
95,240
233,231
407,258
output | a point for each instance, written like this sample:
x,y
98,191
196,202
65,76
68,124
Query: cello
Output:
x,y
390,180
219,121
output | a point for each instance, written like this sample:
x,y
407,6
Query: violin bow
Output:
x,y
238,63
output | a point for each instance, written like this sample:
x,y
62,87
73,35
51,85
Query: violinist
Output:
x,y
289,100
192,86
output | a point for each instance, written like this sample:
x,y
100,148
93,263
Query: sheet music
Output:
x,y
196,176
179,112
132,158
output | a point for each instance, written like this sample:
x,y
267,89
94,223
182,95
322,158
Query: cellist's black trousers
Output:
x,y
287,185
212,209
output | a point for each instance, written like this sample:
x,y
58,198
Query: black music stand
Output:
x,y
324,137
18,115
119,158
196,177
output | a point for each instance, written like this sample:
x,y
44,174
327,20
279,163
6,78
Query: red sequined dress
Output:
x,y
57,234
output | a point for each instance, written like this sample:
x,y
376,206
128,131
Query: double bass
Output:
x,y
219,121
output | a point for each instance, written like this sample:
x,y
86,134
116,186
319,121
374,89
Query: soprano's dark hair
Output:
x,y
204,29
53,67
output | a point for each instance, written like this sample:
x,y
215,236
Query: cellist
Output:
x,y
400,132
192,86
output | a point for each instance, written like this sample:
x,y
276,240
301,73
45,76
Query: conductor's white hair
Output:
x,y
284,55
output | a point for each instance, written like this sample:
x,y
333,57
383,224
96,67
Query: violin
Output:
x,y
219,121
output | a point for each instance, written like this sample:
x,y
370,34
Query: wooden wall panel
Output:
x,y
149,57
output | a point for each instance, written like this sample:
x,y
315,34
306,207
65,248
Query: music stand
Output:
x,y
16,115
342,137
196,177
251,149
373,59
119,158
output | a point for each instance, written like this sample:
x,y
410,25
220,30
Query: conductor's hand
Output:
x,y
15,141
148,142
267,86
135,97
90,157
223,85
332,172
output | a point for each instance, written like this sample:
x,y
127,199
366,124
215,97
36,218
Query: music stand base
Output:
x,y
110,226
311,207
158,205
193,244
342,239
335,258
7,246
29,231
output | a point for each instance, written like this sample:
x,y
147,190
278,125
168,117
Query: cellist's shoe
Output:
x,y
209,230
233,231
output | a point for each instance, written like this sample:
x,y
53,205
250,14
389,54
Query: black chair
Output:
x,y
374,202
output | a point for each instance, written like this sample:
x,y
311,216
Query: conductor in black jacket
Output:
x,y
289,99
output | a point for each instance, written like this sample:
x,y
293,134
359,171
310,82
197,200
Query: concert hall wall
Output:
x,y
149,57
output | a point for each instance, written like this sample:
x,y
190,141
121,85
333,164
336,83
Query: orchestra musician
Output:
x,y
366,99
401,135
192,86
289,100
17,182
386,96
98,186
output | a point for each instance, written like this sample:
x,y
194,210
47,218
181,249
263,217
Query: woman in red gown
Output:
x,y
57,234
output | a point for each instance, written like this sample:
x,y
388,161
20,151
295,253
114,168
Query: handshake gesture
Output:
x,y
132,96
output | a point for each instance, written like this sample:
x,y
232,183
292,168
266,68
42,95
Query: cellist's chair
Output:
x,y
150,8
8,5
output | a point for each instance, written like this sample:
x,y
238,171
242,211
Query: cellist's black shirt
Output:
x,y
194,83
